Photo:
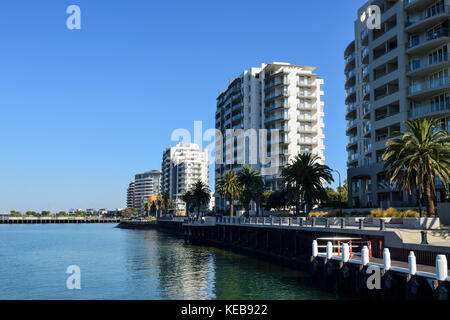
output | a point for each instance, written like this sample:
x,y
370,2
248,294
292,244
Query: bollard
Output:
x,y
365,256
313,222
382,225
281,221
315,248
361,224
386,259
441,267
329,250
412,263
271,221
345,252
424,236
327,223
300,222
342,223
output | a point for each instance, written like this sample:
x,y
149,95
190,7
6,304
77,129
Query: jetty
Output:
x,y
53,220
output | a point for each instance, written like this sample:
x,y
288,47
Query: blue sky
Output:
x,y
82,111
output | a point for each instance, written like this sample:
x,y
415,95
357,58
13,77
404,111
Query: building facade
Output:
x,y
182,166
266,117
146,185
393,74
130,195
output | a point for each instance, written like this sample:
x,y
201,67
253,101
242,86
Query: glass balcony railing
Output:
x,y
427,85
429,13
351,107
427,62
350,57
351,90
351,74
429,109
430,36
352,140
352,123
352,157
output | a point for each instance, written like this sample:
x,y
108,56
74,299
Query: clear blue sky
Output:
x,y
82,111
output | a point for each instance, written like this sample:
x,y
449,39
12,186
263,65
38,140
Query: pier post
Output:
x,y
329,250
345,252
300,222
342,223
327,223
313,222
424,237
412,269
361,224
386,259
365,256
382,224
315,248
441,267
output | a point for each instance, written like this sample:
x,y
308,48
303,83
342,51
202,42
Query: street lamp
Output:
x,y
340,190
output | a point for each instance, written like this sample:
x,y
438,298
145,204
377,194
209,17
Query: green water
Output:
x,y
134,264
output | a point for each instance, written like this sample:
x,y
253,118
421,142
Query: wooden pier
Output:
x,y
56,220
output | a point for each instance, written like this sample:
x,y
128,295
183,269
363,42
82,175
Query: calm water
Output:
x,y
134,264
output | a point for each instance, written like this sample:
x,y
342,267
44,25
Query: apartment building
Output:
x,y
393,74
279,108
182,166
130,195
146,185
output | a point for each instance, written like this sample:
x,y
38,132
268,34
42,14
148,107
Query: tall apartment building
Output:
x,y
130,195
393,74
146,185
182,166
278,97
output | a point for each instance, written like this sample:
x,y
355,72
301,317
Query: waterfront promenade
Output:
x,y
290,241
47,220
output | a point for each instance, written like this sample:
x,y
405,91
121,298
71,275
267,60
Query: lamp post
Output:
x,y
340,195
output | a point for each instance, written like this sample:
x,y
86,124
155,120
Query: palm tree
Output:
x,y
200,195
166,201
307,177
147,206
230,187
252,187
187,198
418,157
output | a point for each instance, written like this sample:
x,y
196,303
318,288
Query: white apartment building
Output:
x,y
146,185
393,74
280,98
182,166
130,195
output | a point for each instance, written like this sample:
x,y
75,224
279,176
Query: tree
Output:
x,y
166,201
128,212
147,206
46,213
14,213
187,198
62,214
229,186
415,159
30,213
307,177
200,195
252,187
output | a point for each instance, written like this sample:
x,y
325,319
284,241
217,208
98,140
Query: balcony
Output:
x,y
306,106
430,110
426,42
366,92
237,107
352,157
237,117
276,83
428,88
308,142
275,106
351,107
350,57
427,18
306,83
352,124
305,94
352,142
366,109
427,65
307,118
365,56
277,117
307,129
350,62
367,127
276,95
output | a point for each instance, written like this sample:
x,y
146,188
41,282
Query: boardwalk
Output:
x,y
56,220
